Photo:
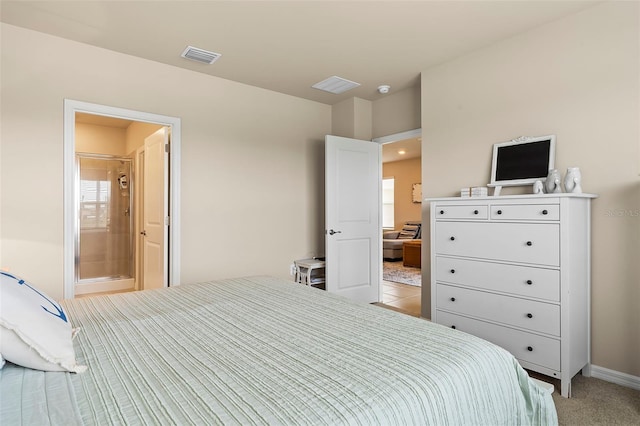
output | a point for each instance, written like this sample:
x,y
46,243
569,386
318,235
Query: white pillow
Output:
x,y
1,362
34,330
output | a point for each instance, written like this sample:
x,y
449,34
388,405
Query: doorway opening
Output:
x,y
401,233
106,153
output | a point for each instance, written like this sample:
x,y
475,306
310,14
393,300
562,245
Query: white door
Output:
x,y
352,201
155,219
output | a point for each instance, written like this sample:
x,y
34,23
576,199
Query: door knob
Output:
x,y
331,232
143,233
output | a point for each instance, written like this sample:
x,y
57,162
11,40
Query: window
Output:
x,y
388,200
94,204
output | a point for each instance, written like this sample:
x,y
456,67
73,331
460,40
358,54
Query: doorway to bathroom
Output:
x,y
121,212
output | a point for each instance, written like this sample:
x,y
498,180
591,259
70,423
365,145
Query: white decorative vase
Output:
x,y
573,180
552,184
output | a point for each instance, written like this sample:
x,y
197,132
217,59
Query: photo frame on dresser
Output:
x,y
522,161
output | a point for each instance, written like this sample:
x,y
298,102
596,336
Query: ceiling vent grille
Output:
x,y
200,55
336,85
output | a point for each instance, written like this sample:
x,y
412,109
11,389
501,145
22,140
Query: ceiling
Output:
x,y
287,46
412,148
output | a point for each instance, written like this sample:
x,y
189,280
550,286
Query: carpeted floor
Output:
x,y
596,402
396,272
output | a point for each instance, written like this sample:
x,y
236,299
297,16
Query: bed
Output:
x,y
261,350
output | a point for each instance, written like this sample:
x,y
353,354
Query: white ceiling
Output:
x,y
287,46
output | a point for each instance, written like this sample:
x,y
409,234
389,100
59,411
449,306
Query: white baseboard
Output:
x,y
616,377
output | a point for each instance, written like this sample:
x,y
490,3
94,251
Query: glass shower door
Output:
x,y
104,239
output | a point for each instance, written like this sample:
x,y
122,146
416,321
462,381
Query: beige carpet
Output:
x,y
596,402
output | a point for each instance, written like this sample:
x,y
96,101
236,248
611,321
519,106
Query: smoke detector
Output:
x,y
200,55
384,89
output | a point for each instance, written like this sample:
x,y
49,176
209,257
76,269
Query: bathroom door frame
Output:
x,y
70,213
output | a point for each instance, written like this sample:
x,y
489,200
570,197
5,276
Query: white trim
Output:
x,y
409,134
622,379
70,108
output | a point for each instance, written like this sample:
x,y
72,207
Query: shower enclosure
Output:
x,y
104,234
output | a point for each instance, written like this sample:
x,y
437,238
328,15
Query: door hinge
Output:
x,y
167,220
167,148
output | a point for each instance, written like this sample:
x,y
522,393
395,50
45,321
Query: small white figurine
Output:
x,y
538,188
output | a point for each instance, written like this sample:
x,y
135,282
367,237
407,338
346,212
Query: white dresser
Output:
x,y
515,270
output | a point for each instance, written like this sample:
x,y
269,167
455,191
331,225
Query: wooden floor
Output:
x,y
402,297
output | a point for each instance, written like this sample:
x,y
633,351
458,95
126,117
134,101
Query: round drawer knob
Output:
x,y
476,212
453,271
453,299
441,211
453,326
452,238
529,315
545,212
529,243
529,282
530,349
499,212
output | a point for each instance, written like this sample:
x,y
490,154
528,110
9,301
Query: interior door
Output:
x,y
155,220
352,200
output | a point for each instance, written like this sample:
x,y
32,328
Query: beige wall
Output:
x,y
361,119
396,112
136,132
351,118
94,139
252,159
405,174
577,78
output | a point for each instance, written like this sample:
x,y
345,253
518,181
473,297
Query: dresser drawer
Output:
x,y
461,212
524,281
535,316
525,212
534,243
538,350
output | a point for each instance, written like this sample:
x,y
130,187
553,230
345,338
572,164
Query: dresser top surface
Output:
x,y
541,197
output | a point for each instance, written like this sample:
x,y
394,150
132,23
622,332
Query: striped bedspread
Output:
x,y
260,350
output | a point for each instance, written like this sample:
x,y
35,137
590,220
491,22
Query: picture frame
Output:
x,y
522,161
416,192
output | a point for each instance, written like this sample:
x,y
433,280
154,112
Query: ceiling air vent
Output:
x,y
200,55
335,85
